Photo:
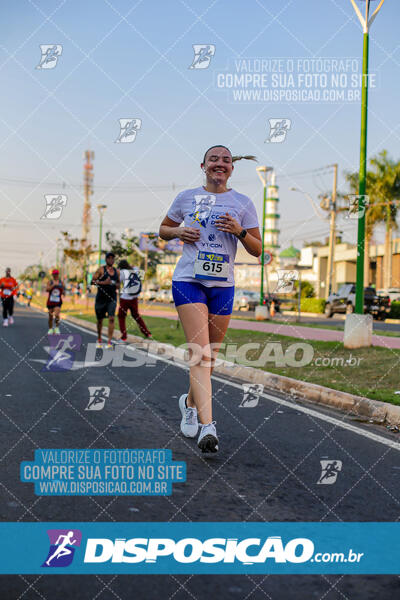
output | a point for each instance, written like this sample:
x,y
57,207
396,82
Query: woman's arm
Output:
x,y
252,240
170,230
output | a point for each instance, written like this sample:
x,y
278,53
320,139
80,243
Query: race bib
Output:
x,y
209,265
55,296
6,292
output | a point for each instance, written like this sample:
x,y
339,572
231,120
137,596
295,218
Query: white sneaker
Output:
x,y
11,320
208,440
50,331
56,330
5,323
189,423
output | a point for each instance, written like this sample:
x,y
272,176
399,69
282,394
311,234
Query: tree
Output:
x,y
78,252
128,247
31,273
383,191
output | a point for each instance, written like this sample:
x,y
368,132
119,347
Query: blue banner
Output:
x,y
103,472
199,548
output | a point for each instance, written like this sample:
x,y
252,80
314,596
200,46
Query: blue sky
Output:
x,y
131,60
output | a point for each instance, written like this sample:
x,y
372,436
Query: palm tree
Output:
x,y
383,190
372,217
386,187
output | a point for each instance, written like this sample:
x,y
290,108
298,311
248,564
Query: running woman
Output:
x,y
55,290
128,300
107,281
8,290
28,294
215,217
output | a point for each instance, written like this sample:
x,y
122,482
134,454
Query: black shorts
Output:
x,y
54,305
105,308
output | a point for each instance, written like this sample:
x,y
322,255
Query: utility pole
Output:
x,y
101,208
332,233
87,191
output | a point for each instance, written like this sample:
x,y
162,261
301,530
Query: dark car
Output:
x,y
344,302
245,300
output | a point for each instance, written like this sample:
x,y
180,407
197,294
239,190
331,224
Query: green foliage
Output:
x,y
307,289
315,305
31,273
394,310
128,247
382,188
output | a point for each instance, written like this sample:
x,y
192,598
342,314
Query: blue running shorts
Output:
x,y
218,299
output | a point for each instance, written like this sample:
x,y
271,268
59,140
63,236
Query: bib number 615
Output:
x,y
212,266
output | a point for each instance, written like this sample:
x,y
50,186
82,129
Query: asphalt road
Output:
x,y
266,470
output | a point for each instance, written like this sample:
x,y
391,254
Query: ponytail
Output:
x,y
245,156
234,158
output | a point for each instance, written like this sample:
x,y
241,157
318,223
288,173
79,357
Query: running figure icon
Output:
x,y
63,544
62,549
62,350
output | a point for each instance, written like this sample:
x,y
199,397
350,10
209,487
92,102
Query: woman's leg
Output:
x,y
57,315
122,317
51,310
217,327
194,319
134,304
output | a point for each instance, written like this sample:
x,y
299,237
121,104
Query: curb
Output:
x,y
380,412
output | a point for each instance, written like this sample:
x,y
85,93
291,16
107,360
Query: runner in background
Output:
x,y
55,290
128,300
28,293
214,219
106,279
8,290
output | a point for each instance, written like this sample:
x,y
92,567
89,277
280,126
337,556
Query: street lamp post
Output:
x,y
358,327
262,173
366,23
101,208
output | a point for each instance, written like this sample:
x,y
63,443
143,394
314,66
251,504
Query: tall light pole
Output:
x,y
366,23
262,173
101,208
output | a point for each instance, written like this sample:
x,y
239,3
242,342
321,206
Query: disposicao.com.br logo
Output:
x,y
247,551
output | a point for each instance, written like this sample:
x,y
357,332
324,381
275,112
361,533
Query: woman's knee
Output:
x,y
198,355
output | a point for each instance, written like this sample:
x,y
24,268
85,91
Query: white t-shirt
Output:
x,y
131,284
199,208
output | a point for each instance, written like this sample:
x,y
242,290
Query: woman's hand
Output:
x,y
189,235
228,224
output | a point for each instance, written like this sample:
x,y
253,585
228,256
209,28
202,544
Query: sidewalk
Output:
x,y
295,330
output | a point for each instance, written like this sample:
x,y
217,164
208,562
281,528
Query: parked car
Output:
x,y
245,300
344,302
393,293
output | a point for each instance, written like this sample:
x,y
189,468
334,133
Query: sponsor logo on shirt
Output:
x,y
202,206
